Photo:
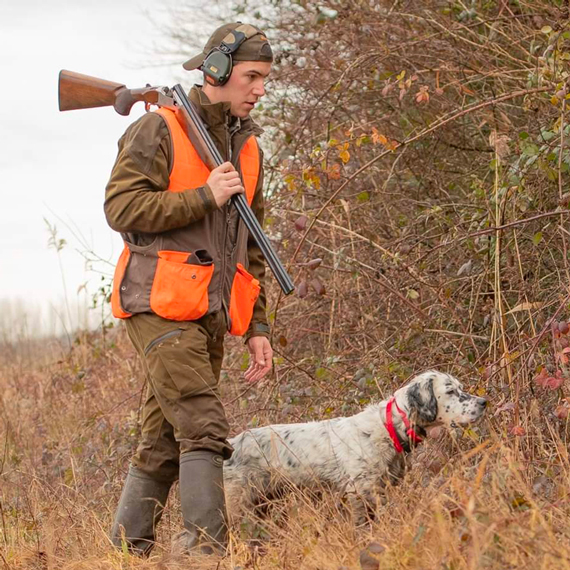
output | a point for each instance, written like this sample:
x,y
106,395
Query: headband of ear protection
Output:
x,y
218,64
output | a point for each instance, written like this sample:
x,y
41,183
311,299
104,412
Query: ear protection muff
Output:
x,y
218,64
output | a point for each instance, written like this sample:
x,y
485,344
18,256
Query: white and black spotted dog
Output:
x,y
354,455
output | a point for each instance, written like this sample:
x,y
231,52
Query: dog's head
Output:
x,y
437,398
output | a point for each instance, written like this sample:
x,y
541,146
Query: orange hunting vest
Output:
x,y
173,283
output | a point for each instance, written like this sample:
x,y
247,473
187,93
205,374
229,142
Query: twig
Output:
x,y
494,229
560,193
457,334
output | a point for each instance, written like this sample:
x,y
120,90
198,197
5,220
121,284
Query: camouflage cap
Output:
x,y
255,48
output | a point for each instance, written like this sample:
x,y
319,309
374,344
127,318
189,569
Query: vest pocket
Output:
x,y
245,291
180,286
116,306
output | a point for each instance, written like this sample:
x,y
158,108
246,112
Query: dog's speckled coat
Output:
x,y
352,455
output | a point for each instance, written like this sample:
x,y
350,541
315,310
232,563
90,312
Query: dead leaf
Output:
x,y
526,306
561,412
554,382
465,268
333,173
508,407
318,286
314,263
303,289
517,430
368,556
301,223
423,95
500,143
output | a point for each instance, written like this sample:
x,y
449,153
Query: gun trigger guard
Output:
x,y
147,107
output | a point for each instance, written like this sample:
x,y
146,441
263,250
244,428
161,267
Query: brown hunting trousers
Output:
x,y
182,411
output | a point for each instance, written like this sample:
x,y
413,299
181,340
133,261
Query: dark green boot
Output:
x,y
139,511
203,503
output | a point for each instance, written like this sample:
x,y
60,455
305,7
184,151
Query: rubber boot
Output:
x,y
139,511
203,503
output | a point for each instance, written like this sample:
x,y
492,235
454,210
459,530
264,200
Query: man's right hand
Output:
x,y
224,181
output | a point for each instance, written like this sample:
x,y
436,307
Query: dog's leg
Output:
x,y
360,500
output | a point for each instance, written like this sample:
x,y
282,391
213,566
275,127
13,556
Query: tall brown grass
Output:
x,y
478,498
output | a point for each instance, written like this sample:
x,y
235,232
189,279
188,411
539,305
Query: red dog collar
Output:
x,y
392,430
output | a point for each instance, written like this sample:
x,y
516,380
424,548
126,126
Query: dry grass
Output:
x,y
479,499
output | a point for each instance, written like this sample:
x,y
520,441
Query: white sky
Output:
x,y
56,165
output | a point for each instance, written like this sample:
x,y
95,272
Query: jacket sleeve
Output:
x,y
134,197
259,325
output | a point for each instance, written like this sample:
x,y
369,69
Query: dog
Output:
x,y
355,456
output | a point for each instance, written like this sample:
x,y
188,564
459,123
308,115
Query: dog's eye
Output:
x,y
451,392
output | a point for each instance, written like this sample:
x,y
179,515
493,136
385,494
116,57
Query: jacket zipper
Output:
x,y
123,280
227,205
162,337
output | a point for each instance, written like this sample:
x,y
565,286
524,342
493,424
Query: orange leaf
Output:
x,y
561,412
377,137
334,172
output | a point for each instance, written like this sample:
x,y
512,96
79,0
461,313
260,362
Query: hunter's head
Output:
x,y
235,61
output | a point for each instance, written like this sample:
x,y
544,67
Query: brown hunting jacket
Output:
x,y
151,219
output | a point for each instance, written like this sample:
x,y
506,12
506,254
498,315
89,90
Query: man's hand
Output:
x,y
224,181
260,358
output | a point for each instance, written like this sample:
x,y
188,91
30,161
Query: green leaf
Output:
x,y
523,136
546,29
321,373
537,238
530,149
363,197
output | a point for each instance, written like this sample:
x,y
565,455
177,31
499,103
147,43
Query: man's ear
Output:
x,y
422,402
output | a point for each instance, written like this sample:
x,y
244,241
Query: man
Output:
x,y
189,273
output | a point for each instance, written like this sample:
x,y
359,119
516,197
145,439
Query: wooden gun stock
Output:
x,y
78,91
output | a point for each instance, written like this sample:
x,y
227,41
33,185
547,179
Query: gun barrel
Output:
x,y
78,91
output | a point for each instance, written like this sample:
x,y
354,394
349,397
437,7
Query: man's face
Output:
x,y
245,86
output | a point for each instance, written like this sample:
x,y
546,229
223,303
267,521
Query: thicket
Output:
x,y
418,189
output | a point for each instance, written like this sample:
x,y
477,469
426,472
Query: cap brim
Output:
x,y
195,62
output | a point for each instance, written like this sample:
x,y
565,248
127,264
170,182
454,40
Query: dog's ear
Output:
x,y
422,402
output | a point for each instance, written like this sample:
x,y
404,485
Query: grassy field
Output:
x,y
69,421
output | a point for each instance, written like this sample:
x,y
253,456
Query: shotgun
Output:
x,y
78,91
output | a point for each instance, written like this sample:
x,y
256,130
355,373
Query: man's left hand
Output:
x,y
260,358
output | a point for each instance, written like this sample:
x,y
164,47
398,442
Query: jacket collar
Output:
x,y
217,115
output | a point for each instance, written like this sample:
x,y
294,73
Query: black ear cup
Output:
x,y
217,67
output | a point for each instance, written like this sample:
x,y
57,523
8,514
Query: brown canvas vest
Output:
x,y
188,272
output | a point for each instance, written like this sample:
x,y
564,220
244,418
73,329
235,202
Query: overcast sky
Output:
x,y
55,165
